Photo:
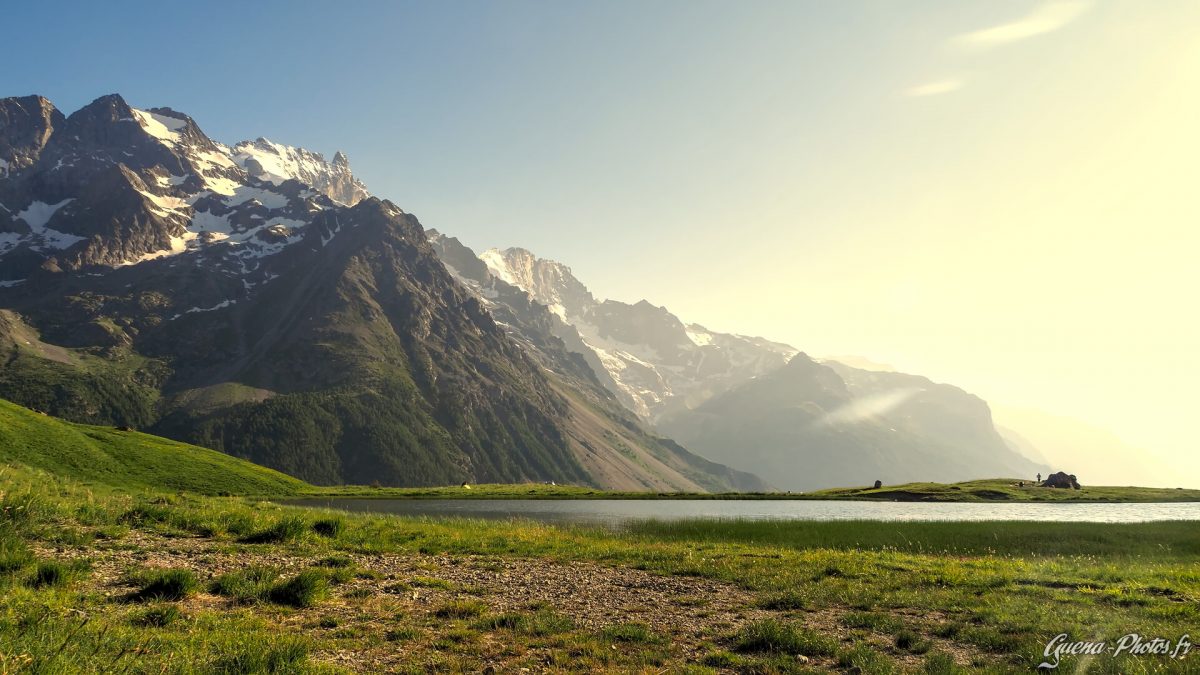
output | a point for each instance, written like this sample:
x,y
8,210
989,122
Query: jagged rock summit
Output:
x,y
114,185
277,163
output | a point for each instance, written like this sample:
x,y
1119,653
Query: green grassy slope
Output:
x,y
1007,489
129,458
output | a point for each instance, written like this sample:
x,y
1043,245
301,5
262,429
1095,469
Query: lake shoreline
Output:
x,y
623,513
980,491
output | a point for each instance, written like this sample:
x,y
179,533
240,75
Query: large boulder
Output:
x,y
1061,480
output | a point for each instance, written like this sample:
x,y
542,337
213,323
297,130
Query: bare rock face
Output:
x,y
26,124
1062,480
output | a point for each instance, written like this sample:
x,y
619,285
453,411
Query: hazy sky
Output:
x,y
1002,195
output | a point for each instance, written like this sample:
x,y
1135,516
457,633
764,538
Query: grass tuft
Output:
x,y
51,573
248,585
303,590
329,527
774,636
14,554
169,585
281,656
158,617
289,529
541,622
784,602
863,659
910,641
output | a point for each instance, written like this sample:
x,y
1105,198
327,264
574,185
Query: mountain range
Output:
x,y
255,300
749,402
258,300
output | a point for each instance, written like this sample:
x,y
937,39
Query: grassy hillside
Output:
x,y
1007,489
129,458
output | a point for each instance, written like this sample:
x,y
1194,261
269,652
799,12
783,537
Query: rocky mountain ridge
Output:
x,y
234,298
655,363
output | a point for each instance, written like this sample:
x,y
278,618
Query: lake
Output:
x,y
615,512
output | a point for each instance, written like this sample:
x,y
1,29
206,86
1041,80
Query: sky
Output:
x,y
1000,195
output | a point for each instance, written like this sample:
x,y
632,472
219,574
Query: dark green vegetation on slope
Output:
x,y
93,579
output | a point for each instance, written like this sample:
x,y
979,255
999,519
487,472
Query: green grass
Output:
x,y
169,585
248,585
128,458
541,622
1161,540
1006,489
900,589
158,617
898,594
997,489
286,530
771,635
306,589
52,573
460,609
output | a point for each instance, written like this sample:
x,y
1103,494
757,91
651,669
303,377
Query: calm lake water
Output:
x,y
614,512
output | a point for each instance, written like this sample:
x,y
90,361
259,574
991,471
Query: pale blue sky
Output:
x,y
996,194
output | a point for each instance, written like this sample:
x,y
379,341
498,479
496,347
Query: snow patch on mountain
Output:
x,y
698,336
163,128
269,199
37,214
43,238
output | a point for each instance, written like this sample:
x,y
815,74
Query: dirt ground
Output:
x,y
694,613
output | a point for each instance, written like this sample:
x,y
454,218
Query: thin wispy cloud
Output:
x,y
935,87
868,407
1045,18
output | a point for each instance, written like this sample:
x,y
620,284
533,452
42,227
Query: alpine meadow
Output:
x,y
777,337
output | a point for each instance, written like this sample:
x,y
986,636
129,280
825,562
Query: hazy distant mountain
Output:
x,y
738,400
811,425
256,300
654,362
1097,456
860,362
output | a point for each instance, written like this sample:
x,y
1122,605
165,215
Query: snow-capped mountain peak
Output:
x,y
276,163
549,282
112,186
